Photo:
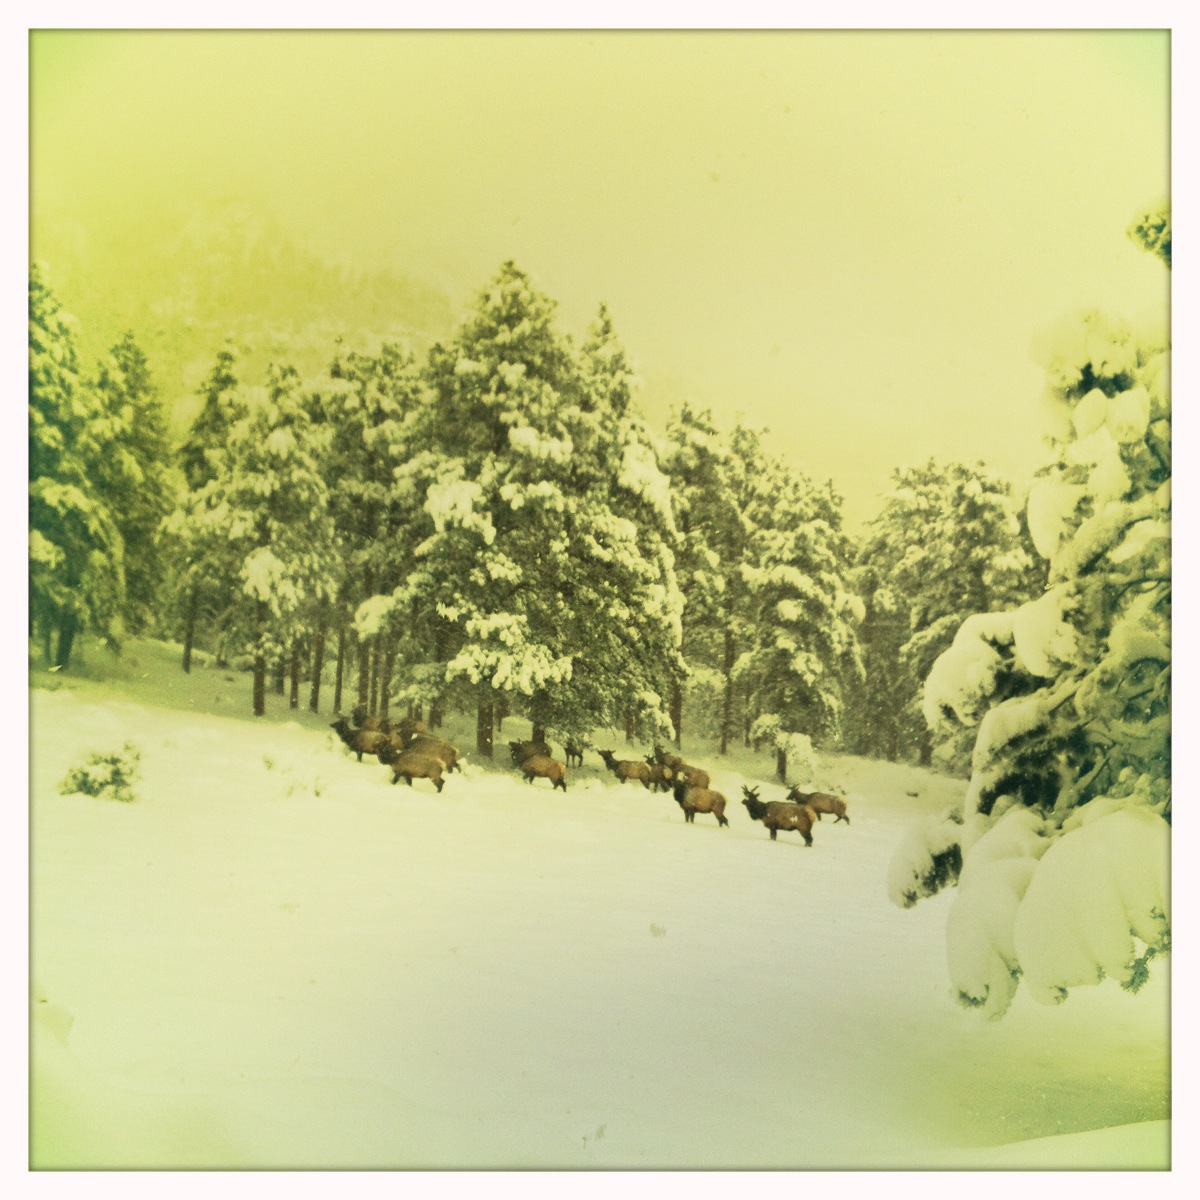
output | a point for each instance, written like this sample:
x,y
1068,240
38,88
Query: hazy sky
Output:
x,y
848,237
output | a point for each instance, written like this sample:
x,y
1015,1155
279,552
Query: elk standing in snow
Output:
x,y
361,741
542,766
626,770
779,815
820,802
693,800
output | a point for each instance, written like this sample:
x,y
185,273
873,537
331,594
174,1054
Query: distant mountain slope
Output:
x,y
222,271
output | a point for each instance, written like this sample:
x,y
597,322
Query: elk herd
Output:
x,y
412,752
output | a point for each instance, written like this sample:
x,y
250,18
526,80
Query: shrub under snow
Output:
x,y
107,774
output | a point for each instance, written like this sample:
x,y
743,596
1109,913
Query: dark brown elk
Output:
x,y
693,800
626,770
409,766
437,748
542,766
666,759
692,776
779,815
522,750
820,802
363,721
410,728
361,741
662,779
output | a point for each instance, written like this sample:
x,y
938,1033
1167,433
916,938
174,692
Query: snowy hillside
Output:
x,y
273,958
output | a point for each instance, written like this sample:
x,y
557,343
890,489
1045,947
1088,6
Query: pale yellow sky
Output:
x,y
849,237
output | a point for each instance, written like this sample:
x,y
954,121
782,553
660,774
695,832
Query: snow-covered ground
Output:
x,y
276,959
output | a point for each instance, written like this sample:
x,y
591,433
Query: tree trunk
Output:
x,y
385,681
318,665
537,733
189,629
280,675
339,671
893,744
629,726
366,647
748,724
260,684
294,695
781,765
483,728
926,750
375,657
67,626
437,706
48,640
501,712
727,708
677,713
260,662
364,674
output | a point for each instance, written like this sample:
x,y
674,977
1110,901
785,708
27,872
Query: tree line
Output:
x,y
494,528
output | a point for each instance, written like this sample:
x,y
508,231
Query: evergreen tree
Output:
x,y
947,544
803,651
709,473
1060,849
364,406
547,566
484,449
137,475
221,409
204,575
263,521
622,547
76,551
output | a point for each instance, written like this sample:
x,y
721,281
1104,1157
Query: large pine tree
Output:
x,y
546,576
709,472
1060,849
947,544
137,474
203,568
803,653
363,408
76,551
262,523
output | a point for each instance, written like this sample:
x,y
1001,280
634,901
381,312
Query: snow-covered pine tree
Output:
x,y
363,406
542,563
137,475
876,714
221,408
1060,849
265,520
488,456
947,544
708,486
76,552
621,556
204,576
804,649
